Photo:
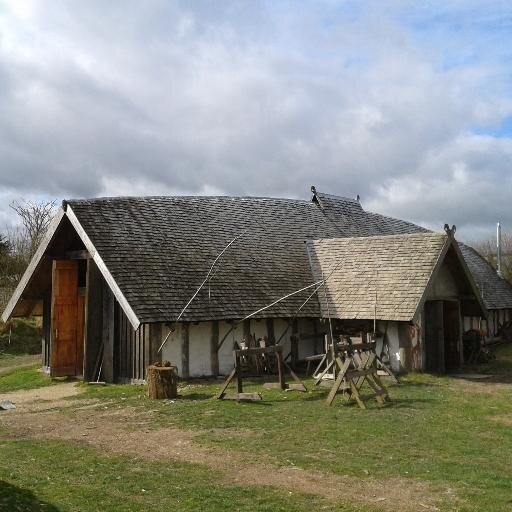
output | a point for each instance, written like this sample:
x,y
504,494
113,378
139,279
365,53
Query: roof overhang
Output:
x,y
33,265
132,317
452,243
17,297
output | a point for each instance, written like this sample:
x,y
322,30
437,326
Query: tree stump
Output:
x,y
162,382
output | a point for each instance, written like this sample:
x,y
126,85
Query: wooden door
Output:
x,y
452,334
65,326
434,336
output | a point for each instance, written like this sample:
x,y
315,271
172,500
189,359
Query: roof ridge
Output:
x,y
393,235
189,197
334,196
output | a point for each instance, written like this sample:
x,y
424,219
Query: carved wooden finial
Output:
x,y
450,231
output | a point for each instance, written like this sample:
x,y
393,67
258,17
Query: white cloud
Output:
x,y
375,98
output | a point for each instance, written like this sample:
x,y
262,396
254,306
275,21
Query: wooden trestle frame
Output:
x,y
352,366
236,373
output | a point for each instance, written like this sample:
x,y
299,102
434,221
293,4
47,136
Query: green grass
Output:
x,y
434,430
14,359
24,378
59,476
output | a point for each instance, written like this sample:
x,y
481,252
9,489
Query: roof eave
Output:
x,y
33,265
125,306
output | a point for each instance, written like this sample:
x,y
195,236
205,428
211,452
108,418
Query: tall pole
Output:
x,y
498,249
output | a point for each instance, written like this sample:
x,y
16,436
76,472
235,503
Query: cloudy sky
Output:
x,y
407,103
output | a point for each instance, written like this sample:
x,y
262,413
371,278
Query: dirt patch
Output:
x,y
128,431
505,419
491,385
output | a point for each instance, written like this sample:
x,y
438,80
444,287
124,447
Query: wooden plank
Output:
x,y
294,376
324,372
246,328
155,339
273,385
123,345
259,351
107,369
93,319
64,318
294,343
343,366
185,350
47,327
147,349
227,382
238,374
77,255
280,369
271,336
80,334
214,348
296,387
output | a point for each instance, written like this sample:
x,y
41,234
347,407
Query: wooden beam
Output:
x,y
155,338
271,332
107,369
214,348
77,255
93,319
185,350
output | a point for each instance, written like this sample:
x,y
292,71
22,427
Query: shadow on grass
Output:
x,y
15,498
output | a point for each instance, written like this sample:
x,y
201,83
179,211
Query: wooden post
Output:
x,y
107,369
270,331
47,327
239,386
185,350
155,338
294,343
93,319
280,367
214,348
247,329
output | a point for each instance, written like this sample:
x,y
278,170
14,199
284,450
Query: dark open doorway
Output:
x,y
442,335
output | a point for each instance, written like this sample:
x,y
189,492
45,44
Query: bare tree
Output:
x,y
487,248
35,218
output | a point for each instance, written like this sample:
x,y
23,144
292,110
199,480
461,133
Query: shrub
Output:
x,y
21,336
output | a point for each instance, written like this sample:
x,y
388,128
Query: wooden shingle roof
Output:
x,y
496,291
392,271
158,250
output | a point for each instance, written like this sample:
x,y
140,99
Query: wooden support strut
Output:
x,y
236,373
355,368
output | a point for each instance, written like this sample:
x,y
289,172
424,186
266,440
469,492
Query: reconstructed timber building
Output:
x,y
113,274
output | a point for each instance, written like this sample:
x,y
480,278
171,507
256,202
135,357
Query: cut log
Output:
x,y
162,382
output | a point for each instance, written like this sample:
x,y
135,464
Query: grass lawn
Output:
x,y
58,476
8,360
22,372
452,434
